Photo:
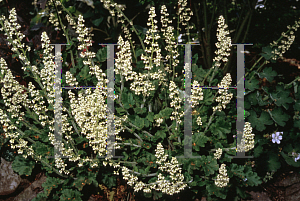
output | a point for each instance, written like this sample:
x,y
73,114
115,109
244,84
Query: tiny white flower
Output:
x,y
179,38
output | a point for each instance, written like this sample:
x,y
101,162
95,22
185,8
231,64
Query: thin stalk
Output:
x,y
38,158
213,75
225,149
202,83
51,167
130,22
31,127
128,162
66,34
266,61
297,79
254,65
210,121
124,143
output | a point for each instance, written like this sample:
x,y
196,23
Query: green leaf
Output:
x,y
290,160
166,112
207,96
40,197
267,52
147,170
279,116
268,73
124,99
150,116
273,162
72,9
139,122
157,195
252,178
41,148
259,123
281,97
97,22
109,180
297,106
211,165
80,63
23,166
140,64
246,114
236,170
72,194
147,123
141,29
8,155
138,52
257,151
259,99
198,73
250,100
102,54
137,151
88,14
135,168
139,110
121,111
297,95
200,139
92,178
130,99
79,183
160,134
195,58
50,184
147,195
125,155
241,193
220,128
212,189
297,123
252,85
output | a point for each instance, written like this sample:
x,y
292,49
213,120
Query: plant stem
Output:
x,y
202,83
259,69
213,75
297,79
210,121
130,22
66,34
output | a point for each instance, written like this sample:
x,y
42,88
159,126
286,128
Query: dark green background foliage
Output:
x,y
271,98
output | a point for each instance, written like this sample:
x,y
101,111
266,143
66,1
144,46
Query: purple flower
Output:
x,y
277,137
297,158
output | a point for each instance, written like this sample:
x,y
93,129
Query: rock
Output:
x,y
9,180
291,183
293,193
258,196
32,191
288,179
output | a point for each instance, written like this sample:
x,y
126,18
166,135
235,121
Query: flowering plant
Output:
x,y
84,117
